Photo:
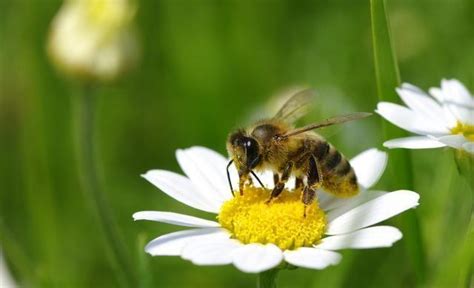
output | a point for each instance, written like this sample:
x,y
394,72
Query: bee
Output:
x,y
275,144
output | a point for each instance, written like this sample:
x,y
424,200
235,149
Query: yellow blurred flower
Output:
x,y
94,40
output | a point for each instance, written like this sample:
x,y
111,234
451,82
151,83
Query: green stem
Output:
x,y
115,247
465,166
267,279
400,169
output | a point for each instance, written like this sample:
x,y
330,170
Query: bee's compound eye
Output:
x,y
251,152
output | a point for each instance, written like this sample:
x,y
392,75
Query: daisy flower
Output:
x,y
254,236
94,39
443,118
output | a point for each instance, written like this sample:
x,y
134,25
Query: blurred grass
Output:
x,y
400,167
205,66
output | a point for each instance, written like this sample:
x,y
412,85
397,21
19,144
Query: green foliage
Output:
x,y
206,65
399,169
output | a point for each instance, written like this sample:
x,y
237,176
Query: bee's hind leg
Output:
x,y
314,179
308,197
281,182
298,183
276,179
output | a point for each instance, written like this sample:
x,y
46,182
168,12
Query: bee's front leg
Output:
x,y
243,179
281,182
314,180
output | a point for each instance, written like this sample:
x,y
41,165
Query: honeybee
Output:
x,y
275,144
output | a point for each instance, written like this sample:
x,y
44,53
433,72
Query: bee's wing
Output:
x,y
327,122
296,107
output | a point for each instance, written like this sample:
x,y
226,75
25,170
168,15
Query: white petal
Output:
x,y
173,243
414,142
469,147
192,164
180,188
174,218
369,166
451,119
214,164
372,237
256,258
267,179
463,114
339,206
374,211
408,119
419,102
437,93
312,258
455,92
455,141
211,252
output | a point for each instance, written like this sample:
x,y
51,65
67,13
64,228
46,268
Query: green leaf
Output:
x,y
400,168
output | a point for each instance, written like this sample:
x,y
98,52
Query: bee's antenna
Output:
x,y
228,177
260,182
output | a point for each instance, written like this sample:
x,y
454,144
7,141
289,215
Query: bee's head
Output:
x,y
244,150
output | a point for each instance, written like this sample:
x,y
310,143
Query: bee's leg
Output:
x,y
276,179
308,197
242,179
249,180
281,183
314,182
298,183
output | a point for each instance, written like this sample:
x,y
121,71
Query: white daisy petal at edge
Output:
x,y
339,206
419,102
455,92
191,162
372,237
179,188
407,119
256,258
369,166
373,212
215,166
174,218
413,142
312,258
455,141
469,147
173,243
462,113
212,252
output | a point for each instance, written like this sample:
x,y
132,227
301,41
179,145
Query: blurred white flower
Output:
x,y
254,236
94,39
446,118
6,280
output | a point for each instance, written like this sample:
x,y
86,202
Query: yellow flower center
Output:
x,y
282,222
464,129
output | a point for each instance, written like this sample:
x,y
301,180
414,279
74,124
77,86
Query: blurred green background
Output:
x,y
206,67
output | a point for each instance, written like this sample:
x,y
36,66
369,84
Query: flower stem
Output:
x,y
115,247
388,78
465,166
267,279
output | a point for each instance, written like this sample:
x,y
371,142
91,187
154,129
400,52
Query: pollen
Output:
x,y
281,222
464,129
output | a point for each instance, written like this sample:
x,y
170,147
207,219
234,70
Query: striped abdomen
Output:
x,y
338,176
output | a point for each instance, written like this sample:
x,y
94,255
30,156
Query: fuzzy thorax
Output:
x,y
251,220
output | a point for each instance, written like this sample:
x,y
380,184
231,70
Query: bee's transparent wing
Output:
x,y
296,107
327,122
